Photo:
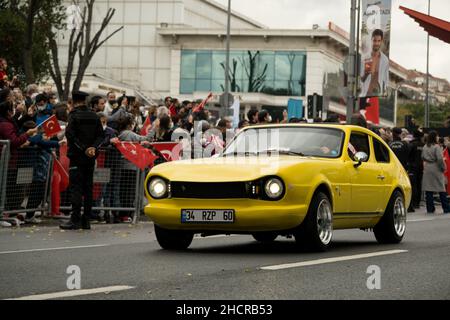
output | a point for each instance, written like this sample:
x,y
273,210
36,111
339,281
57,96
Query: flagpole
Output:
x,y
227,59
427,102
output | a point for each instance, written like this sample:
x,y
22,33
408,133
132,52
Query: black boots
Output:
x,y
76,224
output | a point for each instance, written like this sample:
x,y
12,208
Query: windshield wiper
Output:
x,y
246,154
283,151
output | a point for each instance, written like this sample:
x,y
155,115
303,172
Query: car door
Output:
x,y
366,186
382,156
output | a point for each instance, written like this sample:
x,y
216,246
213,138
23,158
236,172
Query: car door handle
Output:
x,y
381,177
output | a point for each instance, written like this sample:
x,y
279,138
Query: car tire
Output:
x,y
316,231
173,239
265,237
392,226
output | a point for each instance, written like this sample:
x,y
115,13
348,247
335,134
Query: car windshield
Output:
x,y
295,141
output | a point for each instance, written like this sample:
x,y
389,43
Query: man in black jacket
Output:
x,y
415,165
84,135
403,152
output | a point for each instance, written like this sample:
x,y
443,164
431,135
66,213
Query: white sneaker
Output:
x,y
5,224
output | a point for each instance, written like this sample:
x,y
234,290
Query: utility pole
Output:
x,y
227,62
352,63
427,102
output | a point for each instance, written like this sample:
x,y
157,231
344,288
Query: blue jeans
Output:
x,y
430,202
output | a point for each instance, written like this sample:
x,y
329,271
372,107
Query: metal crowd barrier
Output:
x,y
118,187
26,180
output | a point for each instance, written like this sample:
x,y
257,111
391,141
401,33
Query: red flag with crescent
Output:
x,y
136,154
172,110
202,104
58,167
146,126
169,150
51,126
373,110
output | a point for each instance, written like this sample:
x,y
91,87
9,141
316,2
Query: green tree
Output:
x,y
23,43
438,113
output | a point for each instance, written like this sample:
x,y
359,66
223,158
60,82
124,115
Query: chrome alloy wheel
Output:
x,y
399,217
325,221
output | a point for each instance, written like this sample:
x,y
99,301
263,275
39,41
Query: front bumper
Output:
x,y
250,215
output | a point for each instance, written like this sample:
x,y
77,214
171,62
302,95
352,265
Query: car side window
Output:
x,y
359,142
381,152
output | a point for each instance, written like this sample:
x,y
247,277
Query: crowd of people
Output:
x,y
425,157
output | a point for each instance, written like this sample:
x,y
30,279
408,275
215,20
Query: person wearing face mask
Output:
x,y
44,111
264,117
10,131
110,101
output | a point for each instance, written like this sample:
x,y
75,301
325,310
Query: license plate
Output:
x,y
207,216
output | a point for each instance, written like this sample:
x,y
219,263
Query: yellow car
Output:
x,y
300,180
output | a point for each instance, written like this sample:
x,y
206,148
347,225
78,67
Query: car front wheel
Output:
x,y
173,239
316,231
392,226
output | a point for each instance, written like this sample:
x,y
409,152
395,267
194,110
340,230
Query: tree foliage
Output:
x,y
438,113
23,43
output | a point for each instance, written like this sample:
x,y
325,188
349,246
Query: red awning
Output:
x,y
435,27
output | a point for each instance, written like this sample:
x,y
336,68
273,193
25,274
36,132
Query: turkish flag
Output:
x,y
51,126
173,110
373,110
169,150
447,171
136,154
146,126
59,169
202,104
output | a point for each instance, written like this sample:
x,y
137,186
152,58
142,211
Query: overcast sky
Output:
x,y
408,43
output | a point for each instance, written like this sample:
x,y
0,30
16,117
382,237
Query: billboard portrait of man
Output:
x,y
375,69
375,34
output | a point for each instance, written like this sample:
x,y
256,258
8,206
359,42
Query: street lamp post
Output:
x,y
352,63
227,61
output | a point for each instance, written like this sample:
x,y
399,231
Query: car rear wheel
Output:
x,y
316,231
173,239
392,226
265,237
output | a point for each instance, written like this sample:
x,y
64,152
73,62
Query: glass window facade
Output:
x,y
281,73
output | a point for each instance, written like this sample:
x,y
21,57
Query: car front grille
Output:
x,y
210,190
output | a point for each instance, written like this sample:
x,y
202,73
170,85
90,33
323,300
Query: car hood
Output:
x,y
226,169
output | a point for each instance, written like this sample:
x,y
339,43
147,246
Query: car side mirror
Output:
x,y
360,157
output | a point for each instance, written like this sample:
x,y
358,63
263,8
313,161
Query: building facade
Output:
x,y
177,48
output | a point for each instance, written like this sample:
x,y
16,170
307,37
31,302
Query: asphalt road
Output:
x,y
34,261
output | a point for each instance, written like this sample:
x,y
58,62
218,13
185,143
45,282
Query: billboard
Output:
x,y
375,43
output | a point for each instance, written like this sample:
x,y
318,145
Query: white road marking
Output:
x,y
73,293
420,220
331,260
58,248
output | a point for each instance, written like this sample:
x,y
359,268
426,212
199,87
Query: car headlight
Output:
x,y
157,187
274,188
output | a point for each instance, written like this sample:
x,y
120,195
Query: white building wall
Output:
x,y
137,55
314,72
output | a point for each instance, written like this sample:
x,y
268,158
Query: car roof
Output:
x,y
344,127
